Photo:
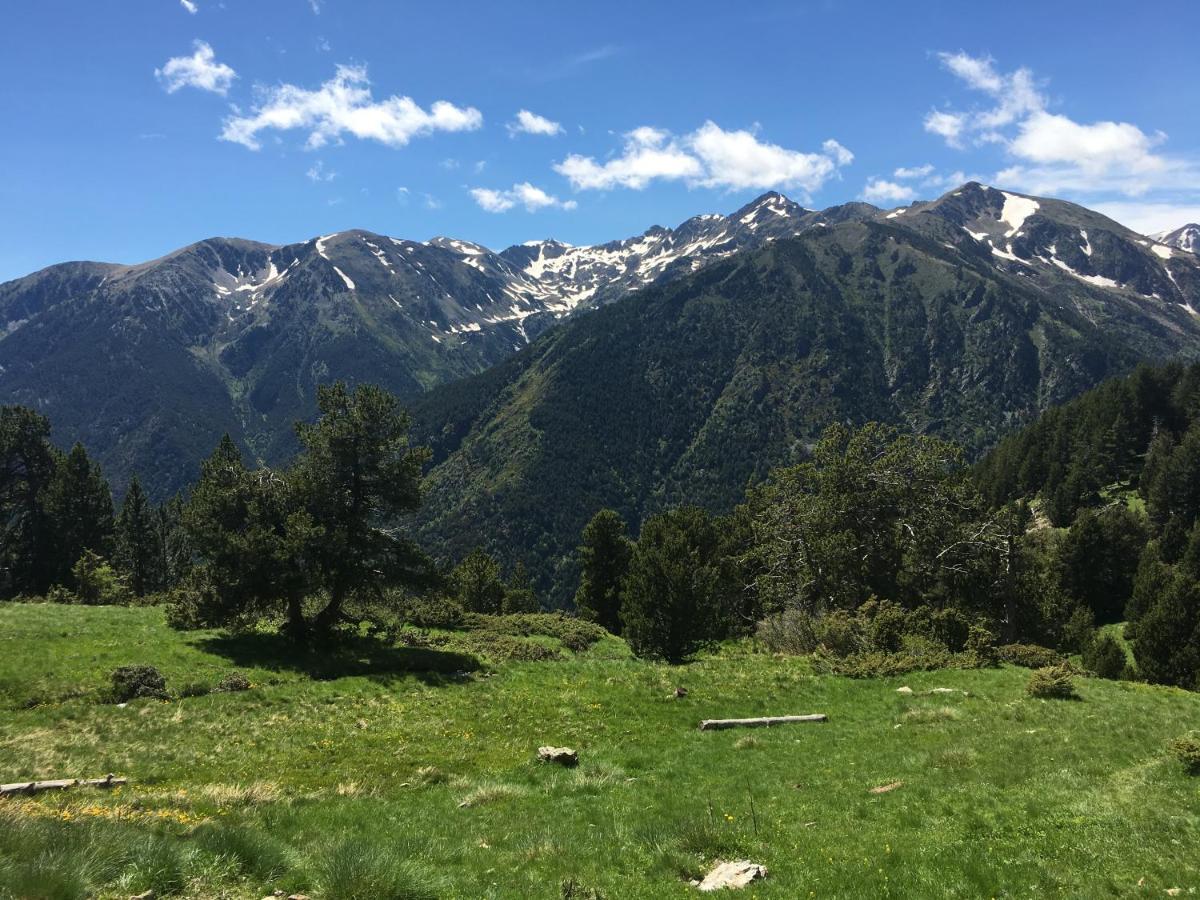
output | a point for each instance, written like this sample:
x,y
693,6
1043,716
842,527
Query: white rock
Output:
x,y
736,874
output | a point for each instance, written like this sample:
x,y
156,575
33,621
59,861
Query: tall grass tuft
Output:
x,y
356,871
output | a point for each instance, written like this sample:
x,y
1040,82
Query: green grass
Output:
x,y
396,781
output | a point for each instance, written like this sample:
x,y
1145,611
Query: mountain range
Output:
x,y
961,316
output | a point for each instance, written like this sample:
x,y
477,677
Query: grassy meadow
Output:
x,y
411,772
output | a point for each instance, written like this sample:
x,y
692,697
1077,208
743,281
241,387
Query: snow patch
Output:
x,y
1016,210
345,278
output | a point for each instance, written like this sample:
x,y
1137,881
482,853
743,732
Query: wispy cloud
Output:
x,y
527,122
344,106
523,194
200,70
913,171
317,172
189,6
708,157
570,65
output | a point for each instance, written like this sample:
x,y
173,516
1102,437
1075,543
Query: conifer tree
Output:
x,y
670,596
137,541
79,507
477,583
26,467
604,556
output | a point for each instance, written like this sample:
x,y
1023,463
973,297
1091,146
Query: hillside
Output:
x,y
686,392
370,780
150,364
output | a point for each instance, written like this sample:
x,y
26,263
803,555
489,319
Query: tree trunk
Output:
x,y
765,721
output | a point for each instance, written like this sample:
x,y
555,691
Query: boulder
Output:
x,y
904,690
736,874
564,756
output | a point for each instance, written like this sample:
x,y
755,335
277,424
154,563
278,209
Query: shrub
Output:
x,y
131,682
97,584
1104,656
429,611
502,647
791,632
924,655
839,633
574,633
982,644
1029,656
1186,749
1052,682
951,629
884,625
233,682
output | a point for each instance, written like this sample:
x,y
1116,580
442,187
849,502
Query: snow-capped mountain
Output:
x,y
1061,246
150,363
1186,238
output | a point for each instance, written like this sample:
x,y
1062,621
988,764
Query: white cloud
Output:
x,y
318,172
1150,217
877,190
315,6
189,6
1052,153
525,194
949,125
707,157
527,122
200,70
914,171
344,105
649,154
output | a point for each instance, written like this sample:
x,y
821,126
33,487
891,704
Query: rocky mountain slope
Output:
x,y
149,364
964,317
1185,238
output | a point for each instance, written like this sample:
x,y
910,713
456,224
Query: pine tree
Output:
x,y
79,506
138,551
604,556
477,583
26,467
670,595
518,595
357,476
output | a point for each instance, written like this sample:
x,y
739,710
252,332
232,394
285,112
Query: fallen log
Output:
x,y
763,722
58,784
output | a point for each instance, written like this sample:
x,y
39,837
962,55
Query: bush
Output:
x,y
921,655
131,682
1104,656
97,584
233,682
839,633
1186,749
575,634
430,611
981,643
503,647
791,632
1052,682
1029,656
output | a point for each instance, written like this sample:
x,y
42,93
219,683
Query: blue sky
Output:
x,y
135,127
